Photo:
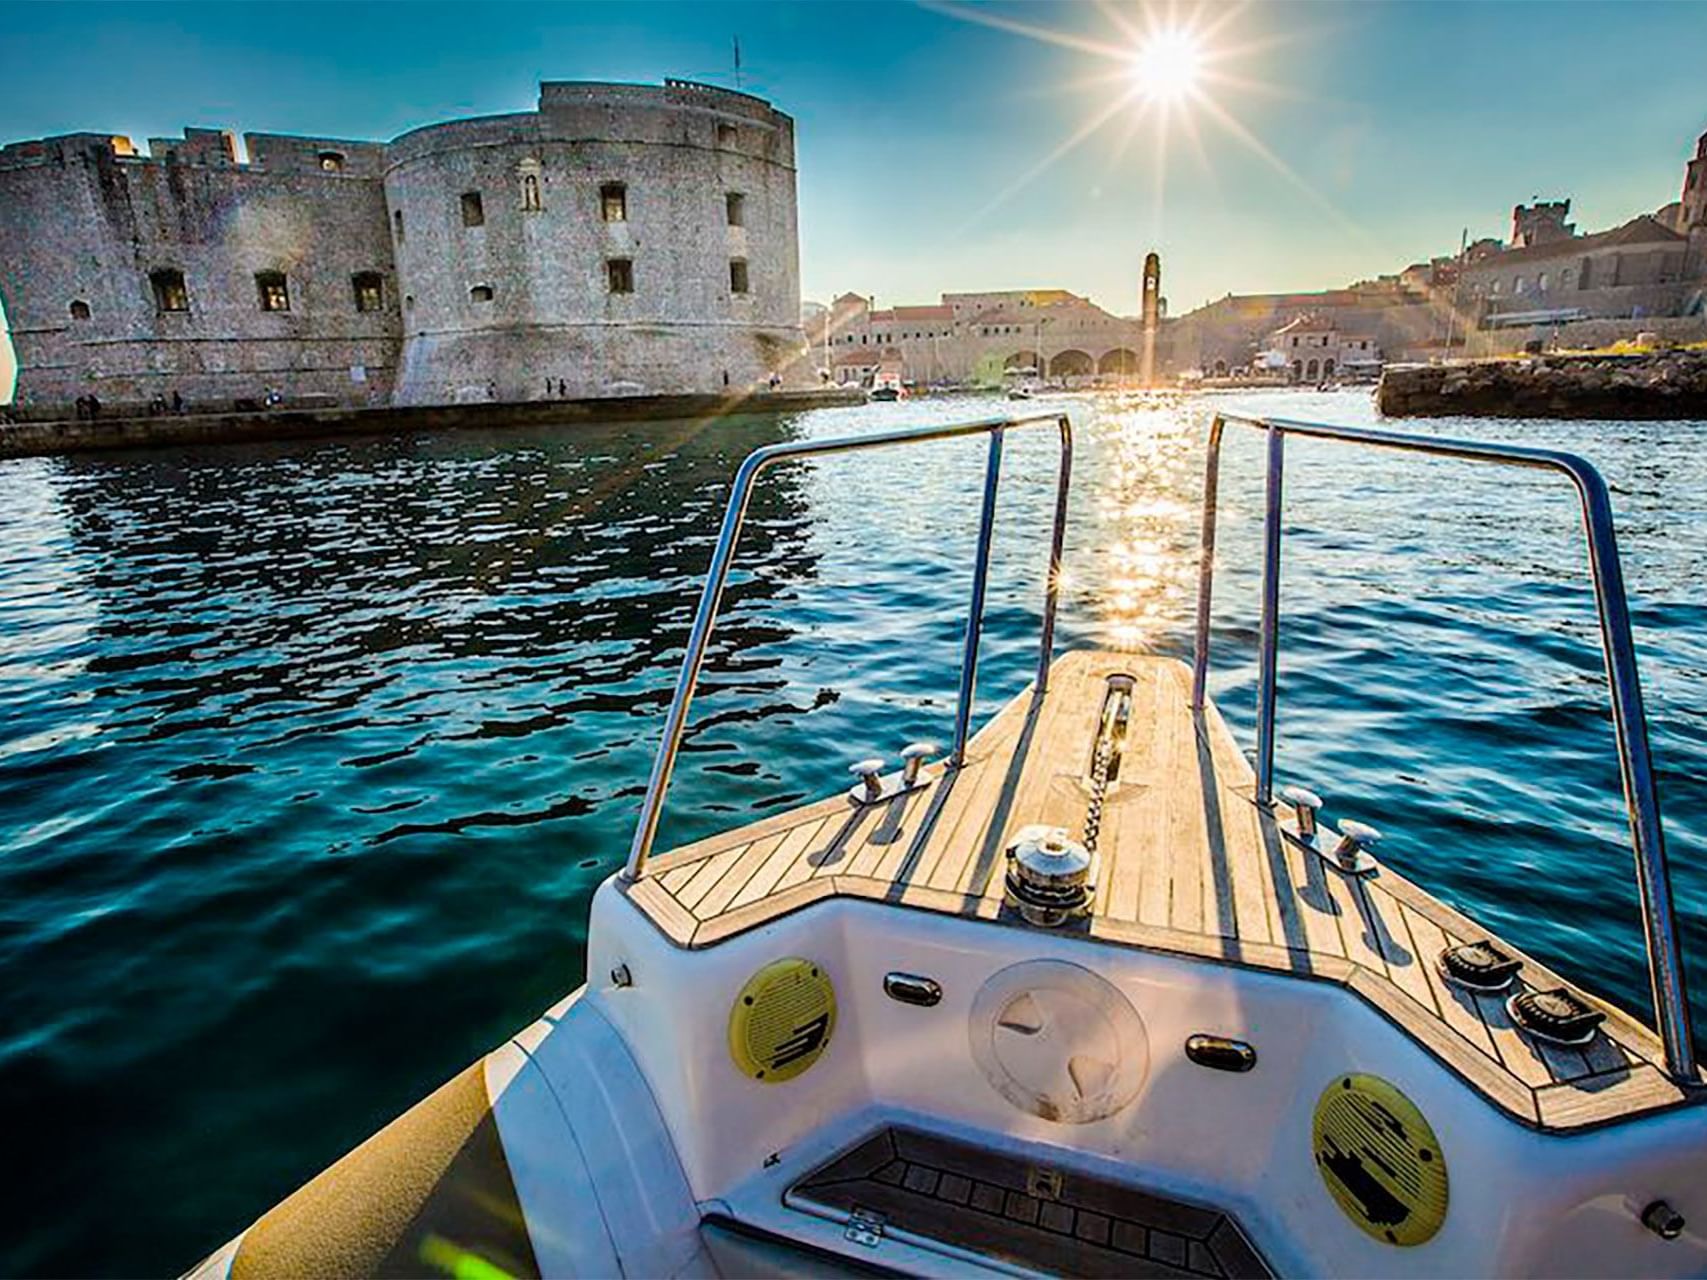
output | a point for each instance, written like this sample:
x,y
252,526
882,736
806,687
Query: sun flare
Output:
x,y
1167,66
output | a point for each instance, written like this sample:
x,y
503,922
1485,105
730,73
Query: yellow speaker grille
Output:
x,y
782,1020
1380,1160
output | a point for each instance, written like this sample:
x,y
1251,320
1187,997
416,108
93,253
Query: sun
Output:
x,y
1167,66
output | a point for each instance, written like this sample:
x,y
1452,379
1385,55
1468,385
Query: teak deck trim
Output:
x,y
1189,865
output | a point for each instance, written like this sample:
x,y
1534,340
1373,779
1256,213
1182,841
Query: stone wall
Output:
x,y
1588,335
1670,384
83,224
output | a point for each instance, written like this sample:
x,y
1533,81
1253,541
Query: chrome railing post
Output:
x,y
1057,541
676,722
1630,725
1206,565
975,613
1269,634
1641,793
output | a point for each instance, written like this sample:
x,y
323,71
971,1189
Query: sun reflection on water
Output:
x,y
1144,541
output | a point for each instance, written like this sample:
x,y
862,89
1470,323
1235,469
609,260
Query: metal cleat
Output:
x,y
1351,855
913,757
1305,804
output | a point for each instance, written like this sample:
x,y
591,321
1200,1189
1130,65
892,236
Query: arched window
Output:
x,y
397,225
79,310
473,209
1517,284
1310,370
529,173
169,291
331,161
1297,370
1328,367
480,293
1541,283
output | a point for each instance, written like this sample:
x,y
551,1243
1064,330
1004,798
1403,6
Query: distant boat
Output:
x,y
1019,393
888,391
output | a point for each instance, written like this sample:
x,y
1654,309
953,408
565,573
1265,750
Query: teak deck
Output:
x,y
1188,864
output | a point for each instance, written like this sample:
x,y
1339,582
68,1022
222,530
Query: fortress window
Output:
x,y
613,202
273,291
480,293
169,291
1541,283
397,225
332,161
737,275
620,273
726,135
735,206
369,288
473,209
530,193
79,310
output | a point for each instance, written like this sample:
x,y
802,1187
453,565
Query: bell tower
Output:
x,y
1152,315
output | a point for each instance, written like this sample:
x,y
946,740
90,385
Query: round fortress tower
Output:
x,y
621,239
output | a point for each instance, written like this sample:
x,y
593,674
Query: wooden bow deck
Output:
x,y
1189,865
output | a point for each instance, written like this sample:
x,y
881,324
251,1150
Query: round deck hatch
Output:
x,y
1380,1159
1058,1041
782,1020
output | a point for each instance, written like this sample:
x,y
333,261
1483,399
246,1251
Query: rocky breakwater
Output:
x,y
1656,384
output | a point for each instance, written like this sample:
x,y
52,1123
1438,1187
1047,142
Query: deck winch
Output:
x,y
1049,877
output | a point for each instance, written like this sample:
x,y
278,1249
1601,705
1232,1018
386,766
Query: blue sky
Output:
x,y
1372,132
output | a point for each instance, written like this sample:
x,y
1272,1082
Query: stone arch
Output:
x,y
1120,360
1311,370
1071,363
1021,360
1297,370
1328,367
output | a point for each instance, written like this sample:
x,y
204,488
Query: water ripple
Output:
x,y
312,754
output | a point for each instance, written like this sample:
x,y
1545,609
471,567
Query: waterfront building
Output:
x,y
620,239
980,337
1642,268
1312,348
1493,295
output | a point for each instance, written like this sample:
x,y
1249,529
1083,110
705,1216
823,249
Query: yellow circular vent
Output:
x,y
782,1020
1380,1159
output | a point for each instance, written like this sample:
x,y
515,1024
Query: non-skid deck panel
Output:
x,y
1189,864
998,1206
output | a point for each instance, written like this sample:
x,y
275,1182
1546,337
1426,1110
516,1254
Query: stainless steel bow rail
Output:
x,y
724,554
1641,798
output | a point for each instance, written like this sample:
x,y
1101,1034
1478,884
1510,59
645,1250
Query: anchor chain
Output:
x,y
1099,789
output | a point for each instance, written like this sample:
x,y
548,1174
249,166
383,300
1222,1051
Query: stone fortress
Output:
x,y
622,239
